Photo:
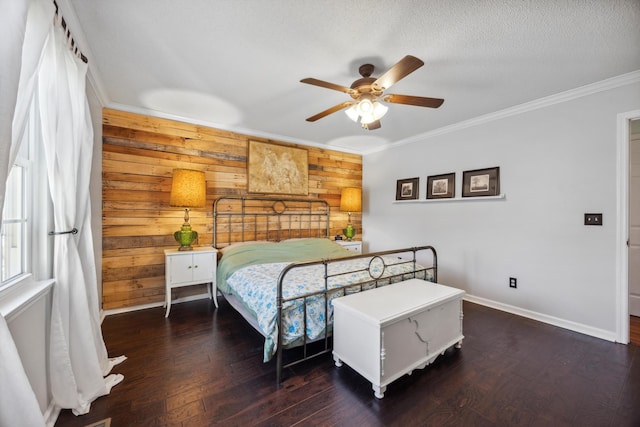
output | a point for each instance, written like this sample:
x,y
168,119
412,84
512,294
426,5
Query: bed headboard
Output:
x,y
251,218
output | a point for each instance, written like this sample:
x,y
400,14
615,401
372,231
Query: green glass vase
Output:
x,y
349,231
185,236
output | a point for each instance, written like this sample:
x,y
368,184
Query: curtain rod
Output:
x,y
74,47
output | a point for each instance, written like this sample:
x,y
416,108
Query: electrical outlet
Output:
x,y
513,282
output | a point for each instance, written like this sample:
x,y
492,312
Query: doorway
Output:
x,y
633,242
623,136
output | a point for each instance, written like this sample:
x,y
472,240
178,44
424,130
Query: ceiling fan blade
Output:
x,y
327,85
373,125
419,101
330,111
401,69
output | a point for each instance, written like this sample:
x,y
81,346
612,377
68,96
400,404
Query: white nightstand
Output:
x,y
186,268
351,245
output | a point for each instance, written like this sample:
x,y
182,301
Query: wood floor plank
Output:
x,y
634,329
203,366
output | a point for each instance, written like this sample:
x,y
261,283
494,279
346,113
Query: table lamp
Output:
x,y
350,201
188,190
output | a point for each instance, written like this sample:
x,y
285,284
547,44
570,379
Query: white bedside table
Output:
x,y
187,268
351,245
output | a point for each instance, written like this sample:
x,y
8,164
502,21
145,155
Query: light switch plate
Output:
x,y
593,219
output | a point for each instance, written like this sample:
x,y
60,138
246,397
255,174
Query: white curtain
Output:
x,y
78,358
21,43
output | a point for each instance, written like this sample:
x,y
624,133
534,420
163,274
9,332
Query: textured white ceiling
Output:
x,y
237,64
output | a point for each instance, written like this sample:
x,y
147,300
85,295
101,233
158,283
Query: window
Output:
x,y
17,225
14,226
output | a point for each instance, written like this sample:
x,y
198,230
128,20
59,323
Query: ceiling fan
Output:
x,y
367,92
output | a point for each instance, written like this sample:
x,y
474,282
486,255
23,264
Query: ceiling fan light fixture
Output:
x,y
366,119
365,107
352,112
376,112
379,110
366,111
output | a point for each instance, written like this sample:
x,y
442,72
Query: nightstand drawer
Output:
x,y
351,245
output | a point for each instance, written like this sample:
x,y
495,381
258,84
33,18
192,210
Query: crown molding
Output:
x,y
569,95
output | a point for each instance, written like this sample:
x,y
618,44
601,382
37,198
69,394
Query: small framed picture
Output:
x,y
407,189
481,182
441,186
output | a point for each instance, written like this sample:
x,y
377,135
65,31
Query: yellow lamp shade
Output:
x,y
188,189
351,199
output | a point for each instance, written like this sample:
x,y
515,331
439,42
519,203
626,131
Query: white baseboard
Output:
x,y
555,321
152,305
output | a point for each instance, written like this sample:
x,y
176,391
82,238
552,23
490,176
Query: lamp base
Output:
x,y
349,231
185,236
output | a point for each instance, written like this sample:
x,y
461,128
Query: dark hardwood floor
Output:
x,y
634,329
203,367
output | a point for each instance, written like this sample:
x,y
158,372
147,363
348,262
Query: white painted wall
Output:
x,y
29,325
556,163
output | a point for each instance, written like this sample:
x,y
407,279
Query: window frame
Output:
x,y
37,259
23,192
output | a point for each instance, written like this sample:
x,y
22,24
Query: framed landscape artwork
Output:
x,y
277,169
481,182
407,189
441,186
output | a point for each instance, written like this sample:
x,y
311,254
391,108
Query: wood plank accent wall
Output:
x,y
139,155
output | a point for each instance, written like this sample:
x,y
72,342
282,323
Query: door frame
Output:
x,y
622,226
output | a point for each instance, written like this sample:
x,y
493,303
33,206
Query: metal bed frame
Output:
x,y
246,218
374,281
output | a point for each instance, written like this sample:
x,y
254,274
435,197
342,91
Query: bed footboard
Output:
x,y
405,266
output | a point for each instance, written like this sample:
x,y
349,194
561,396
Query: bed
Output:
x,y
280,271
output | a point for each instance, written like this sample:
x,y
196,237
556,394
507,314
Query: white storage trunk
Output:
x,y
387,332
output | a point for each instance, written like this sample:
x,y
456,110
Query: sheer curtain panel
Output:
x,y
78,358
